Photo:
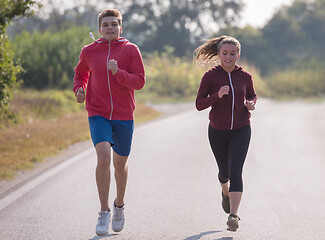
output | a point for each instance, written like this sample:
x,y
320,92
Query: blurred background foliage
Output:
x,y
8,68
285,56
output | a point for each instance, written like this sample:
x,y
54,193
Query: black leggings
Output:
x,y
230,149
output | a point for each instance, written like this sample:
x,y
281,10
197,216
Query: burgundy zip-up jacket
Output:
x,y
228,112
108,95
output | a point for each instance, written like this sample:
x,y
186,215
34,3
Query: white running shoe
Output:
x,y
118,218
102,223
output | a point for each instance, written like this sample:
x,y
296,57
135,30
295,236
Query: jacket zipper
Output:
x,y
109,85
233,102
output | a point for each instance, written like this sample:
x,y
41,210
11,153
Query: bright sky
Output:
x,y
258,12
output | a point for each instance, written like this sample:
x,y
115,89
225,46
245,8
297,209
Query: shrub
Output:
x,y
48,59
297,83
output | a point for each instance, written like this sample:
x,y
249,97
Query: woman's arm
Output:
x,y
203,98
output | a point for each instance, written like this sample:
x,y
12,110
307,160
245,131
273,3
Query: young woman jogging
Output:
x,y
111,68
229,91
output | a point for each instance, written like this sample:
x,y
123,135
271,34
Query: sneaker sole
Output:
x,y
101,234
232,225
117,229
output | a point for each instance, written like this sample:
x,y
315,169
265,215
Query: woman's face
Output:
x,y
110,28
228,56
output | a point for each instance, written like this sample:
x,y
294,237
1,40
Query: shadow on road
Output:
x,y
197,237
103,237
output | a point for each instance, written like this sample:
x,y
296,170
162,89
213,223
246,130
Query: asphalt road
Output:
x,y
173,192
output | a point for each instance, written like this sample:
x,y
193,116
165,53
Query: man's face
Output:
x,y
110,28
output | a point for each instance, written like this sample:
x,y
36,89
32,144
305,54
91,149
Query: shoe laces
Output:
x,y
102,215
119,213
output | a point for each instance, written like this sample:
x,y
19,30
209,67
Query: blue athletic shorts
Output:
x,y
118,133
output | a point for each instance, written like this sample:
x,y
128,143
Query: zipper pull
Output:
x,y
92,35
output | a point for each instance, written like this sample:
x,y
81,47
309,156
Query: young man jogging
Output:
x,y
110,69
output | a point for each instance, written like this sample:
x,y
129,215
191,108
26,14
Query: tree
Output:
x,y
179,24
314,26
295,34
54,56
151,24
293,37
8,70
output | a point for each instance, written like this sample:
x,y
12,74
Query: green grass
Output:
x,y
48,121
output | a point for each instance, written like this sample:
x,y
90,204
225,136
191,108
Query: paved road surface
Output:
x,y
173,191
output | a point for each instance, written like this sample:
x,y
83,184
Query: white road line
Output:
x,y
10,198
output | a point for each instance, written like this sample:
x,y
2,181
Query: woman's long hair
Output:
x,y
208,52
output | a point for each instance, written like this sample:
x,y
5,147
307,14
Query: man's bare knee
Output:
x,y
120,162
103,154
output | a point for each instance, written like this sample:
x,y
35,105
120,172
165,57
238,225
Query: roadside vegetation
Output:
x,y
45,122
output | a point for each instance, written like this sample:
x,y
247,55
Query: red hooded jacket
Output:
x,y
108,95
228,112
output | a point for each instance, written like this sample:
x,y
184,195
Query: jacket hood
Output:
x,y
219,67
119,41
115,42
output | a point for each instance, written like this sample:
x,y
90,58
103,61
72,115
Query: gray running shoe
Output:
x,y
118,219
225,203
102,223
233,222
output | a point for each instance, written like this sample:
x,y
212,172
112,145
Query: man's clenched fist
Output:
x,y
80,95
